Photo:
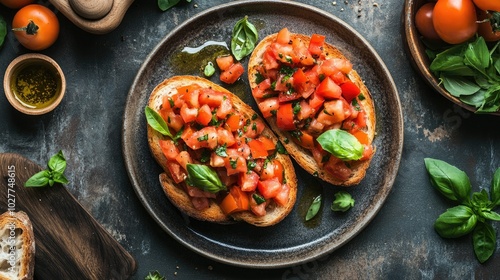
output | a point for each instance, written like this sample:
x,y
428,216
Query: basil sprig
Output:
x,y
470,72
167,4
474,211
156,121
343,201
341,144
3,30
244,38
314,208
204,177
53,174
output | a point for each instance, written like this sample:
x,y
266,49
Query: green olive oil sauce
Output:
x,y
192,61
35,85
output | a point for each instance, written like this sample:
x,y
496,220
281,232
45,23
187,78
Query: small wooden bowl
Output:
x,y
33,60
420,61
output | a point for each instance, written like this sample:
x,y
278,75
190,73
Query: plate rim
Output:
x,y
266,264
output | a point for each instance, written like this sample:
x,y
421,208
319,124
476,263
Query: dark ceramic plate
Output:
x,y
419,59
292,241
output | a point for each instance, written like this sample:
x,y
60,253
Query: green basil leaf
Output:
x,y
495,188
491,102
209,69
154,275
450,181
490,215
484,240
59,178
455,222
3,30
243,39
458,85
480,200
167,4
57,163
341,144
40,179
477,55
475,99
314,208
204,177
157,122
343,201
450,60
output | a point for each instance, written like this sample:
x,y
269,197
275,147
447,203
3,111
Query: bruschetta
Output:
x,y
316,103
221,162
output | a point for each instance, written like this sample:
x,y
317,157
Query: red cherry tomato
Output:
x,y
455,20
488,5
16,4
423,21
485,29
36,27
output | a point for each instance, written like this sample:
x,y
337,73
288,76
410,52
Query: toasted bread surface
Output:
x,y
302,155
175,192
17,246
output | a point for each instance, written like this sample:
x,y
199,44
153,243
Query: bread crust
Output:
x,y
24,234
302,155
179,197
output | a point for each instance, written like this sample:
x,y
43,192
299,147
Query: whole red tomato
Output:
x,y
36,27
16,4
455,20
488,5
485,29
423,21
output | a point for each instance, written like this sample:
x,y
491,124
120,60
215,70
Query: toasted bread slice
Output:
x,y
302,155
177,195
17,246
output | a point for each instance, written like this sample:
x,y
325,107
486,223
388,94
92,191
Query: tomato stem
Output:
x,y
30,29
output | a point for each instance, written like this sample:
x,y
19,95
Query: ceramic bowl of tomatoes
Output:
x,y
438,32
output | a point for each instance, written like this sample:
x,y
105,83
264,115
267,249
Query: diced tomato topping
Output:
x,y
183,158
316,44
305,140
262,88
248,181
188,114
268,143
343,65
361,119
232,74
211,97
316,101
367,152
216,160
225,108
361,136
269,188
283,36
225,137
224,62
169,149
268,106
191,98
203,138
282,197
258,209
285,117
234,162
267,171
234,122
257,149
176,172
204,115
337,168
329,89
236,200
269,60
278,170
349,90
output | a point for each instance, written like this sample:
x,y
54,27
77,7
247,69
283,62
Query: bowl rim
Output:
x,y
419,60
10,95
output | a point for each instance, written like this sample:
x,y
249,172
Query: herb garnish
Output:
x,y
473,211
53,174
314,208
3,30
167,4
341,144
204,177
243,39
343,202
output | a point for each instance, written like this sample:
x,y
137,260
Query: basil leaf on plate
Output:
x,y
314,208
244,38
167,4
450,181
204,177
343,201
484,241
455,222
157,122
40,179
341,144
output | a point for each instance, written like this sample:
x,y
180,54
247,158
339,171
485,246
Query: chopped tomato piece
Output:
x,y
361,119
262,88
257,149
258,209
305,140
268,106
267,171
176,172
316,101
248,181
188,114
169,149
316,44
183,158
305,111
234,162
329,89
283,36
166,105
278,170
224,62
299,77
319,155
349,90
182,90
361,136
229,204
211,97
343,65
234,122
367,152
269,60
268,143
216,160
174,121
203,138
337,168
282,197
225,136
200,203
335,111
269,188
204,115
232,74
241,197
286,96
225,108
191,98
284,117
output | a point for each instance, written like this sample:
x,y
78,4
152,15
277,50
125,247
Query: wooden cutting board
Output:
x,y
70,244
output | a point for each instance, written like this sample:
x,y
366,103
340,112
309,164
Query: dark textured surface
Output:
x,y
400,242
